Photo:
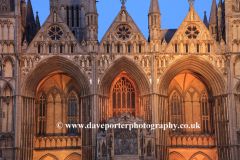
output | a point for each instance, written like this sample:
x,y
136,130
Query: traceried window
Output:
x,y
192,32
124,32
175,110
205,114
123,98
42,113
72,112
55,32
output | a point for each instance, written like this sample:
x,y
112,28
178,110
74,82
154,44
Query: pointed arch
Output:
x,y
8,67
50,65
120,65
74,156
200,153
48,155
197,65
6,87
175,155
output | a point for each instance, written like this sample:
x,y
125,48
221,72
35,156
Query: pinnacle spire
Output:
x,y
92,8
205,21
30,16
154,7
220,4
37,22
213,14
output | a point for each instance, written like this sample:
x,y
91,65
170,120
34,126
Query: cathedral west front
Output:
x,y
61,73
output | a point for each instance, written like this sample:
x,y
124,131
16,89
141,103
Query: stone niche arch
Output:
x,y
48,156
176,156
73,156
34,79
200,155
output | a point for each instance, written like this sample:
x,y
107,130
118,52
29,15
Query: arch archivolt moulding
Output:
x,y
131,67
201,66
56,63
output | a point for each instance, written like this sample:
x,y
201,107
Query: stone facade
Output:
x,y
61,72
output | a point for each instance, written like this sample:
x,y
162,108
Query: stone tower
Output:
x,y
73,13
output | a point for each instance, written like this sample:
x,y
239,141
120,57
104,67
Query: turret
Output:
x,y
220,21
213,22
92,25
154,19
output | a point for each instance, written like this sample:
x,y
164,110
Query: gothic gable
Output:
x,y
123,31
54,37
192,37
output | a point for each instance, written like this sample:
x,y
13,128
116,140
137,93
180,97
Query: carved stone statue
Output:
x,y
124,18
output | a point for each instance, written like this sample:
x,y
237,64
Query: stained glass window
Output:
x,y
123,97
175,110
42,118
72,112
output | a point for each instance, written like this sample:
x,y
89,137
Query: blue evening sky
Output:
x,y
173,12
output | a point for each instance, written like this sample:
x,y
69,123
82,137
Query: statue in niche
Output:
x,y
54,17
106,62
124,18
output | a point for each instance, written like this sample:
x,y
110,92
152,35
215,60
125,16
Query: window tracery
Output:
x,y
55,32
72,112
175,110
192,32
123,98
124,32
42,119
205,113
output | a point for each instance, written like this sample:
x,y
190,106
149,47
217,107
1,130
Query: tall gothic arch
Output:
x,y
217,89
54,99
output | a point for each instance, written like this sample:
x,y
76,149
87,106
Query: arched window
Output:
x,y
61,48
39,48
73,17
205,114
118,48
50,48
42,113
68,16
129,48
197,48
72,48
108,48
209,48
186,48
123,98
77,16
176,48
175,110
140,48
72,112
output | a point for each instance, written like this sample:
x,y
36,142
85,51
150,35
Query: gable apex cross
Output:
x,y
191,2
123,2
